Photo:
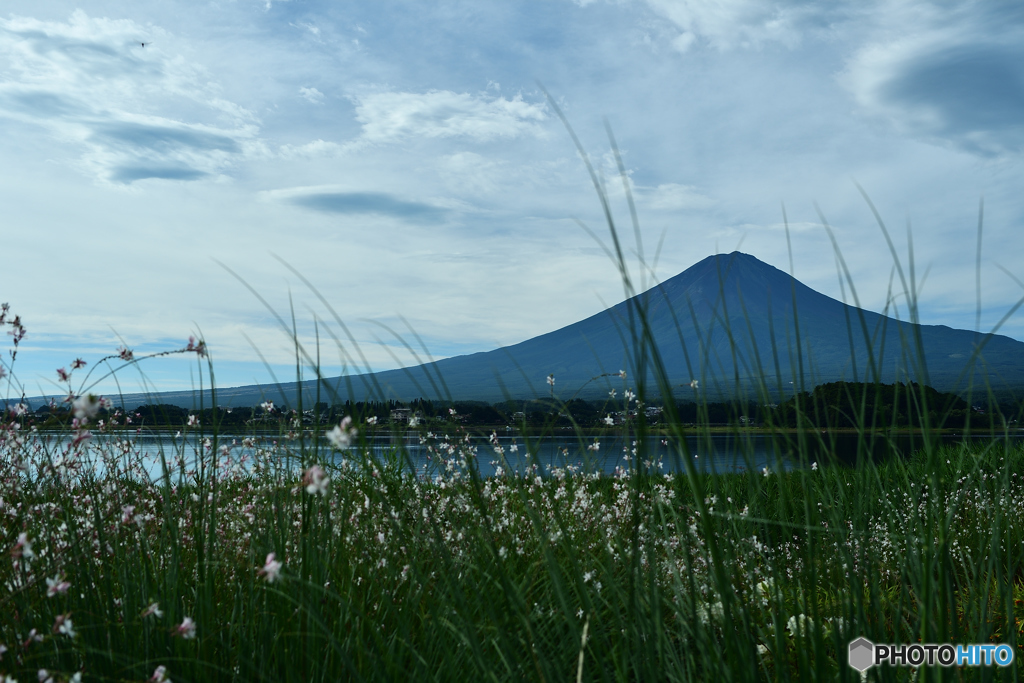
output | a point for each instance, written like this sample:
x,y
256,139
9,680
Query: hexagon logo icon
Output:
x,y
862,654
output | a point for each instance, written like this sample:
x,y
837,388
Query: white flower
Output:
x,y
414,421
64,626
193,421
718,611
801,623
814,466
551,380
23,548
609,420
267,406
271,568
186,629
160,675
371,420
316,480
87,406
765,471
694,384
154,609
55,586
44,676
341,436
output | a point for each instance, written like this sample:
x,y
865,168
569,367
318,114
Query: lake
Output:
x,y
434,454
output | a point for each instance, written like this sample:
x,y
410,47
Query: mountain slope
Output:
x,y
729,320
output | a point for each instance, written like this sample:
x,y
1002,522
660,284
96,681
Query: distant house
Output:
x,y
401,415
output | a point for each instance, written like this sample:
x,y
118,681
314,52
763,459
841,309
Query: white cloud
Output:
x,y
674,197
134,112
315,30
793,227
316,148
395,116
727,24
312,94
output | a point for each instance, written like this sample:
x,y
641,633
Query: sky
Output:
x,y
257,161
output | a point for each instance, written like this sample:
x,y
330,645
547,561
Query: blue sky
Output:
x,y
402,158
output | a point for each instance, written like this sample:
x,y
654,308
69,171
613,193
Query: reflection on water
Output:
x,y
431,455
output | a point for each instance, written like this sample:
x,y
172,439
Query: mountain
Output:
x,y
731,321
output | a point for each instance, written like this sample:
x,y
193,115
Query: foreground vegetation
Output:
x,y
244,563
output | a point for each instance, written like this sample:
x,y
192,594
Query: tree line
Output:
x,y
835,405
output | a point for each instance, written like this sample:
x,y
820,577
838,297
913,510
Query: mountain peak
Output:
x,y
731,321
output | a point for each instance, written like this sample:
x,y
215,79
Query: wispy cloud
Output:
x,y
675,197
135,112
312,95
332,200
953,75
729,24
397,116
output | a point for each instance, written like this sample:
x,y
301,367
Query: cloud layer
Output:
x,y
131,111
402,157
955,77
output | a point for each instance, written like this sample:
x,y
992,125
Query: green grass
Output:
x,y
457,578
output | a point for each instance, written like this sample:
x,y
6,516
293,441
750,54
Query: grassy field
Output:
x,y
289,567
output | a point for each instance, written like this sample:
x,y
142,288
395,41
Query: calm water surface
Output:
x,y
716,452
